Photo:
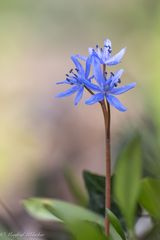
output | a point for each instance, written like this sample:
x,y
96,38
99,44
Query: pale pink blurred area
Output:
x,y
40,134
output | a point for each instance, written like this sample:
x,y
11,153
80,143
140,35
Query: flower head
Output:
x,y
76,80
108,87
104,55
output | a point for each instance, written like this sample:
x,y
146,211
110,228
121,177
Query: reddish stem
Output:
x,y
107,122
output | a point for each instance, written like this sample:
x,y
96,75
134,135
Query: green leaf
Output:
x,y
35,207
63,211
127,180
95,185
75,225
150,196
115,223
75,218
85,230
71,215
91,230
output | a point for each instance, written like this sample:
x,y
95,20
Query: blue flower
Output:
x,y
76,80
107,88
104,55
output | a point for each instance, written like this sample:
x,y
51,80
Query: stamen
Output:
x,y
112,73
119,80
67,75
75,75
115,84
109,48
71,70
97,46
77,69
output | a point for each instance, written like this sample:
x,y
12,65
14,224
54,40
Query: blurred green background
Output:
x,y
40,135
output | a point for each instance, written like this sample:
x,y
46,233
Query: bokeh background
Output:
x,y
41,137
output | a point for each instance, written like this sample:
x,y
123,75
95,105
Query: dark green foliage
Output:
x,y
95,185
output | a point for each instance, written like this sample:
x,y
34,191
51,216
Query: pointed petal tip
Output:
x,y
121,71
107,41
73,57
88,103
75,104
116,59
90,50
123,110
57,95
122,52
62,82
112,100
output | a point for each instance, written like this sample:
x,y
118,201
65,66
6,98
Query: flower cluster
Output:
x,y
101,84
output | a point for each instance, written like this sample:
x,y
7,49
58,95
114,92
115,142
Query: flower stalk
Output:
x,y
107,122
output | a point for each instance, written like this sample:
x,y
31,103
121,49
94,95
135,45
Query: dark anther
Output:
x,y
75,75
77,69
106,73
115,84
119,80
97,46
110,51
71,70
67,75
112,73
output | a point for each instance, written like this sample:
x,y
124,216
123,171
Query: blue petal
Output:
x,y
116,103
94,99
123,89
91,50
63,82
78,96
88,66
68,92
99,52
116,58
91,85
98,72
114,79
83,58
78,65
